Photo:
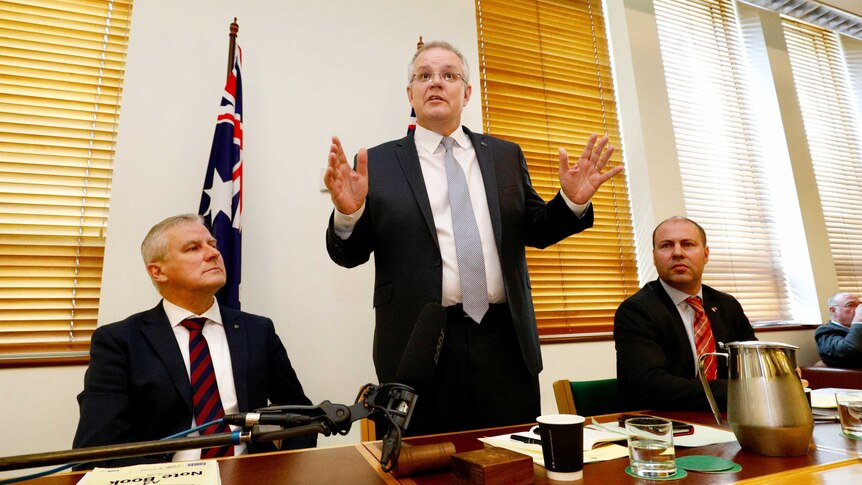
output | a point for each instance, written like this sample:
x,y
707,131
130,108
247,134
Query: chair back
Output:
x,y
588,398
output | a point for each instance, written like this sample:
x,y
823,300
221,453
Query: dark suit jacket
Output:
x,y
137,386
840,346
655,365
398,227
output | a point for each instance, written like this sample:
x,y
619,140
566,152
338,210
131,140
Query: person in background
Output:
x,y
661,330
138,385
839,341
447,214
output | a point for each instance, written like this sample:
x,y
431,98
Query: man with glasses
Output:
x,y
839,341
447,214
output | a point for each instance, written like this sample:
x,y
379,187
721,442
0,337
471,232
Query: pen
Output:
x,y
526,439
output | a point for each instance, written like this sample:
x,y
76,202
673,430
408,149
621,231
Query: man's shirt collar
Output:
x,y
430,140
679,296
177,314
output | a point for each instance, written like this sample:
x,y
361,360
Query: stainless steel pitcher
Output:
x,y
766,405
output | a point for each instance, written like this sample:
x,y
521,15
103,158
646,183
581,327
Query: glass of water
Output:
x,y
850,412
651,452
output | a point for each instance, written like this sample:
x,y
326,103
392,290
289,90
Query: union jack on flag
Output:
x,y
221,200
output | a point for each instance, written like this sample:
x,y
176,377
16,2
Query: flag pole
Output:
x,y
419,44
234,28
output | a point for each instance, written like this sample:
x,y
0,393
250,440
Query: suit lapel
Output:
x,y
408,157
157,329
489,178
710,307
237,342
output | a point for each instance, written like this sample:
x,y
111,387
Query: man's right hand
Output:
x,y
347,187
857,316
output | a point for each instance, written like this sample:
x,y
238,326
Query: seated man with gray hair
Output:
x,y
839,341
186,362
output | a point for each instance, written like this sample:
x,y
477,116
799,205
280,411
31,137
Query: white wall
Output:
x,y
337,67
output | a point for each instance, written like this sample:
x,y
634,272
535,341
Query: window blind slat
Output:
x,y
721,168
547,83
821,79
61,69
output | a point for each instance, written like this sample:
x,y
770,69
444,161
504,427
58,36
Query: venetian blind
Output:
x,y
832,129
546,83
724,182
61,74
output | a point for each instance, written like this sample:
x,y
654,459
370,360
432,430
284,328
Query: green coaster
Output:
x,y
849,436
704,463
735,468
680,473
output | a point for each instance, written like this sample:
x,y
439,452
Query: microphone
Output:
x,y
281,419
419,360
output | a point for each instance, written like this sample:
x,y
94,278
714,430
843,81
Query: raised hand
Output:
x,y
581,180
347,187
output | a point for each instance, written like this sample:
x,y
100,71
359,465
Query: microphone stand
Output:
x,y
394,402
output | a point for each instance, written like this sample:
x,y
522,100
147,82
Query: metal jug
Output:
x,y
766,405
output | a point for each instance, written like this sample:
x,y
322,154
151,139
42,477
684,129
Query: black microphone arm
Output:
x,y
390,404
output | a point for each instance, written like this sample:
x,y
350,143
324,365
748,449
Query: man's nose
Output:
x,y
212,253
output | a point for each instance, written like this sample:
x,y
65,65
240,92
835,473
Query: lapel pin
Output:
x,y
235,325
483,143
713,308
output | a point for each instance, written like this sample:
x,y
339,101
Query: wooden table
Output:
x,y
831,459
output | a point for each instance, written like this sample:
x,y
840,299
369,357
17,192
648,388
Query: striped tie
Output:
x,y
468,245
205,395
703,340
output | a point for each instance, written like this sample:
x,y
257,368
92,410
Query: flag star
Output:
x,y
221,197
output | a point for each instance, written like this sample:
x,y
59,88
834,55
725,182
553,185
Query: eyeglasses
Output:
x,y
427,77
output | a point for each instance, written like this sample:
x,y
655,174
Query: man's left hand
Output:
x,y
581,180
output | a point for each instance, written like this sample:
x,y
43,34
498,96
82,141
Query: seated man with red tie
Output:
x,y
660,330
138,385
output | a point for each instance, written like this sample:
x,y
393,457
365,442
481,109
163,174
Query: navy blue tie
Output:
x,y
205,396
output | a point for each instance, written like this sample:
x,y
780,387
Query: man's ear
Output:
x,y
156,273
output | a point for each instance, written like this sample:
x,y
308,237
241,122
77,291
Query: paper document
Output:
x,y
534,451
179,473
704,435
825,398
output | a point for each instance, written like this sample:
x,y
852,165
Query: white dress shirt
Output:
x,y
213,332
431,159
686,312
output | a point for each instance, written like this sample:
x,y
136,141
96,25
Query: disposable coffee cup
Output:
x,y
563,445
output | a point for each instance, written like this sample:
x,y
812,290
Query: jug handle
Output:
x,y
701,374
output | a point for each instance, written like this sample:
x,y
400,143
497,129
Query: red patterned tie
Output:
x,y
205,395
703,340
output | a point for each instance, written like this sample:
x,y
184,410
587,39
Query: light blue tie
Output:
x,y
468,245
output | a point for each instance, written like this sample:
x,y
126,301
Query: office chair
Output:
x,y
587,398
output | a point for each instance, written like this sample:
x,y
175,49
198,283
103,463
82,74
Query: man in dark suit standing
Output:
x,y
137,387
401,202
839,341
661,330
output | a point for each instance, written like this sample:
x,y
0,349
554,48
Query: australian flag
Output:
x,y
221,201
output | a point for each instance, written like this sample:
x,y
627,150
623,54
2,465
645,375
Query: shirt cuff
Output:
x,y
343,224
578,209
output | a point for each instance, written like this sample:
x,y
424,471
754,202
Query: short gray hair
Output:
x,y
154,246
439,44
